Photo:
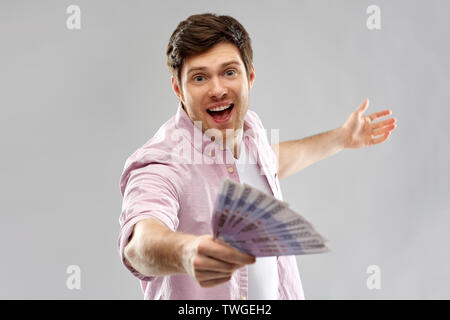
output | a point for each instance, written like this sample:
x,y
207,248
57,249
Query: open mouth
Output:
x,y
221,114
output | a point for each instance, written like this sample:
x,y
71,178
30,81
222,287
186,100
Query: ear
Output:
x,y
177,90
251,78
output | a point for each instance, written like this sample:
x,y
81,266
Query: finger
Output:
x,y
205,263
379,114
381,139
383,123
215,282
210,275
224,253
364,106
383,130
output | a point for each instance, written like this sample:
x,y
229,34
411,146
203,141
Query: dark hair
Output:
x,y
200,32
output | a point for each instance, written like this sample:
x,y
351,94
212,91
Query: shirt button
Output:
x,y
230,169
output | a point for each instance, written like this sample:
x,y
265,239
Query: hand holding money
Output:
x,y
210,262
261,225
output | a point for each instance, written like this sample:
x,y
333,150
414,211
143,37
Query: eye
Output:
x,y
230,72
198,78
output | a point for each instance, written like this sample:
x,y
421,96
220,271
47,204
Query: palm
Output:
x,y
361,132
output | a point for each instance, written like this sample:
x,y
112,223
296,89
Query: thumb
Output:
x,y
364,106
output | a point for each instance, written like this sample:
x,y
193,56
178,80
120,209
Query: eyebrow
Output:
x,y
223,65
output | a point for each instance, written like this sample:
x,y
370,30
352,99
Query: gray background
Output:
x,y
76,104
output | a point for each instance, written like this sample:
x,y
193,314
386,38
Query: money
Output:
x,y
261,225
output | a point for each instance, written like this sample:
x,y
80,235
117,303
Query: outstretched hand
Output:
x,y
361,132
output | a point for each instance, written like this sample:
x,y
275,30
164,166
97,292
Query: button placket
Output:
x,y
231,167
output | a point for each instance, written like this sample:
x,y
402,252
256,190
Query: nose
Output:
x,y
217,90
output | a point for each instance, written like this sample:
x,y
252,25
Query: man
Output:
x,y
170,184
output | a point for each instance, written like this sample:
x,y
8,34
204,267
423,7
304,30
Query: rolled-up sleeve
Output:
x,y
148,192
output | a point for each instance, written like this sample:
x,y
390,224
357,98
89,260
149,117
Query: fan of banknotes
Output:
x,y
261,225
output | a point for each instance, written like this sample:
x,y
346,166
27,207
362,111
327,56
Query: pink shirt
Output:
x,y
174,178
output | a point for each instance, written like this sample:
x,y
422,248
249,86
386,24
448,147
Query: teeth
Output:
x,y
219,108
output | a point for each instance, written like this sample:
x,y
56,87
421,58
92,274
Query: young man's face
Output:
x,y
215,78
